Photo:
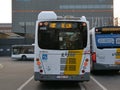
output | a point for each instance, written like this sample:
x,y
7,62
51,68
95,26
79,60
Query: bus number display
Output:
x,y
110,29
61,25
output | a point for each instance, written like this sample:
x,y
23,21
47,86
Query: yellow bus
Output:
x,y
105,48
62,48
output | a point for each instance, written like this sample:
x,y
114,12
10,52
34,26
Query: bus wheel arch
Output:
x,y
24,57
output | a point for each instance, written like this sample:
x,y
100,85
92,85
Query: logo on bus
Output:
x,y
67,54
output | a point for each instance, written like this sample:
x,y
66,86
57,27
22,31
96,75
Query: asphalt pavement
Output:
x,y
19,75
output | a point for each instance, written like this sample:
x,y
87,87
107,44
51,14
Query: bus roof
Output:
x,y
21,45
51,15
45,15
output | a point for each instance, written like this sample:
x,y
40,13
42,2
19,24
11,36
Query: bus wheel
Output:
x,y
115,71
24,57
91,65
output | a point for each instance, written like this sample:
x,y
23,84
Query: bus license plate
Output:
x,y
62,76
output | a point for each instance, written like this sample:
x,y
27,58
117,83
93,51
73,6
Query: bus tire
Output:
x,y
23,57
91,66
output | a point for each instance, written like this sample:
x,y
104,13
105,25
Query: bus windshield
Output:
x,y
107,37
62,35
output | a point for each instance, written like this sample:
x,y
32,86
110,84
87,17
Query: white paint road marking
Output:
x,y
100,85
24,84
82,86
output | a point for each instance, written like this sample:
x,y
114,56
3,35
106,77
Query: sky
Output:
x,y
6,10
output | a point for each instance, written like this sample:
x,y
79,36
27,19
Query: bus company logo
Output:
x,y
66,54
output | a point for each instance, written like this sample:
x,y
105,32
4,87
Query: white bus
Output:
x,y
105,48
62,48
22,52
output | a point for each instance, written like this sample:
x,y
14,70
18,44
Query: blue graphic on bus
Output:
x,y
44,56
107,40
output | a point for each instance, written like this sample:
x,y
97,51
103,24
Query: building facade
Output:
x,y
7,39
5,27
25,12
